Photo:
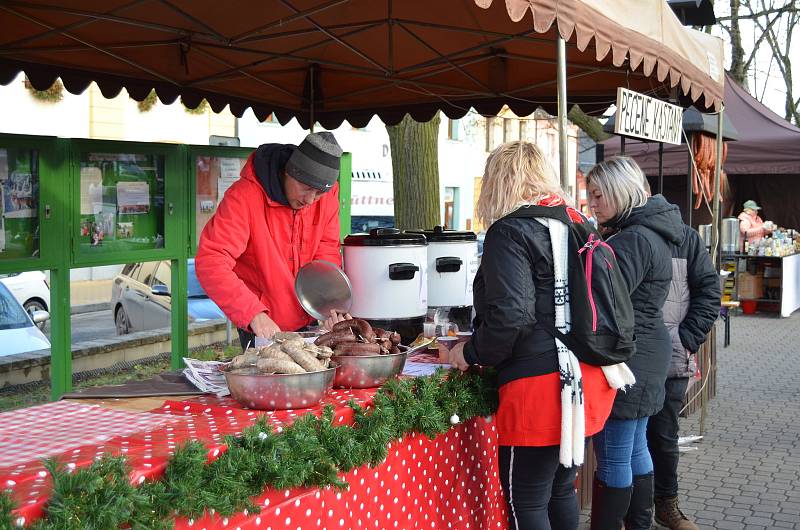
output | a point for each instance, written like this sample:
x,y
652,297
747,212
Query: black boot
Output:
x,y
608,506
640,511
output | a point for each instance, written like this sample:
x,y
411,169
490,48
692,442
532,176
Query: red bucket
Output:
x,y
749,307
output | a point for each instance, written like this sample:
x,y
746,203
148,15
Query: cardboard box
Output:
x,y
751,286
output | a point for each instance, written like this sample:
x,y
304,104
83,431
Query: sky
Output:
x,y
765,81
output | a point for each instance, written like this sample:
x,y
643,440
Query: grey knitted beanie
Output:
x,y
315,162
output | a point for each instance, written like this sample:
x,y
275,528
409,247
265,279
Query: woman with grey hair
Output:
x,y
644,230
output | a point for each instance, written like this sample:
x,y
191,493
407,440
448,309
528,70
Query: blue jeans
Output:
x,y
621,451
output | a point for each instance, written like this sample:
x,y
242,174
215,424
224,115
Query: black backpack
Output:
x,y
601,331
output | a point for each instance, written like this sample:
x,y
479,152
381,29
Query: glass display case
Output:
x,y
19,202
213,176
121,202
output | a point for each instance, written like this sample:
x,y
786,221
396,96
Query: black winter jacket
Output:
x,y
513,285
693,301
643,245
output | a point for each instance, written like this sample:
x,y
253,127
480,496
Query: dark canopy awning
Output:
x,y
352,59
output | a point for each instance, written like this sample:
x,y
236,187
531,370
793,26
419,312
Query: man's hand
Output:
x,y
457,357
335,318
263,326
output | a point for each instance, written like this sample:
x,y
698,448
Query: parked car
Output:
x,y
31,290
18,333
141,297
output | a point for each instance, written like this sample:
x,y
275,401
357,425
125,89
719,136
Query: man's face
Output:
x,y
598,204
298,194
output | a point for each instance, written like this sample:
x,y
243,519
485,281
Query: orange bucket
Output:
x,y
749,306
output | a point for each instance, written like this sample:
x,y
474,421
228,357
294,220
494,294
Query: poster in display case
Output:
x,y
122,201
19,202
213,176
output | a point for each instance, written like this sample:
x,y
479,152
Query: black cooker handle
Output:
x,y
402,271
448,264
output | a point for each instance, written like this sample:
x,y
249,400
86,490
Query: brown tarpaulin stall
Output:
x,y
351,59
330,60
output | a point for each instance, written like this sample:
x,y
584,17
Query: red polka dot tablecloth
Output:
x,y
448,482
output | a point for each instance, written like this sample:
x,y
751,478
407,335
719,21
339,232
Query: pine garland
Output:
x,y
311,451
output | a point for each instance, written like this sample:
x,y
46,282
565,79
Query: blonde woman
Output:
x,y
514,290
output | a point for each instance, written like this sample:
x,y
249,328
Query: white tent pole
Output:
x,y
561,78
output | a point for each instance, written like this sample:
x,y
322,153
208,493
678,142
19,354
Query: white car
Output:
x,y
30,289
18,333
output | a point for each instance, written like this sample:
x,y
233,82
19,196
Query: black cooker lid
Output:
x,y
385,237
439,235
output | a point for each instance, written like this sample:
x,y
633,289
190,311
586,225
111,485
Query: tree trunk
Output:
x,y
415,172
738,71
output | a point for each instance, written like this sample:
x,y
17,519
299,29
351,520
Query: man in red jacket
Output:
x,y
281,214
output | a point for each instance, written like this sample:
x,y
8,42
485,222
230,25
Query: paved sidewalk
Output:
x,y
745,473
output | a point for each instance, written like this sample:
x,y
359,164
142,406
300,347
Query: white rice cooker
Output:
x,y
452,264
387,270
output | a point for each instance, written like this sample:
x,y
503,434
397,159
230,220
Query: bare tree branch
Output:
x,y
791,8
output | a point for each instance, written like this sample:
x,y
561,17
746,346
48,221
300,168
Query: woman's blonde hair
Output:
x,y
621,181
515,173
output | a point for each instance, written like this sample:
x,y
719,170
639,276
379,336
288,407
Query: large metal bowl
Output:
x,y
367,371
321,286
279,391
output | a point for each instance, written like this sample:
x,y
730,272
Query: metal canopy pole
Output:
x,y
563,152
715,207
689,185
311,103
715,256
661,168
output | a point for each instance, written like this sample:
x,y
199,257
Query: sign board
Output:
x,y
647,117
230,141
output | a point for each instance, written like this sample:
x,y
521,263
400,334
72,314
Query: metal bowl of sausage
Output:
x,y
368,371
256,390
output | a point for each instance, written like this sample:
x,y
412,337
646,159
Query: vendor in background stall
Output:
x,y
281,214
751,226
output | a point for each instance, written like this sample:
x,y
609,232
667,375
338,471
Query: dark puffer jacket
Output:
x,y
643,245
513,286
693,301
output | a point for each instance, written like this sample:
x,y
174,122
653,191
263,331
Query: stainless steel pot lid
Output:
x,y
321,286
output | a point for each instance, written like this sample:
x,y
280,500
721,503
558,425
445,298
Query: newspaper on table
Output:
x,y
206,376
415,369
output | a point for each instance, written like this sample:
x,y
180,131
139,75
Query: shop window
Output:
x,y
19,200
508,130
451,206
453,129
494,132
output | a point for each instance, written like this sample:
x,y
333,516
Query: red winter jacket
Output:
x,y
251,249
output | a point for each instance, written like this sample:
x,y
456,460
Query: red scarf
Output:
x,y
555,200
